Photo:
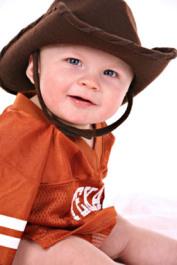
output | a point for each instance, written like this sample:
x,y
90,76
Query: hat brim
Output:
x,y
60,25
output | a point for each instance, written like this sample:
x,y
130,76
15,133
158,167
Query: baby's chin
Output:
x,y
77,125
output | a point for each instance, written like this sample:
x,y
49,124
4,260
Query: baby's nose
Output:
x,y
89,82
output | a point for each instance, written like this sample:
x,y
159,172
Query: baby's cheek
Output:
x,y
49,92
115,101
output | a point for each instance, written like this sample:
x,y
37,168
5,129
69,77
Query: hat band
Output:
x,y
70,130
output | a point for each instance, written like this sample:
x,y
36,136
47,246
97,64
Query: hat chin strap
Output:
x,y
70,130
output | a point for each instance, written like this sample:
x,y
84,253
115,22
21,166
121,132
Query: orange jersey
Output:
x,y
51,185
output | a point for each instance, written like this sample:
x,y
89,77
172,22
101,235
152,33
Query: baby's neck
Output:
x,y
90,142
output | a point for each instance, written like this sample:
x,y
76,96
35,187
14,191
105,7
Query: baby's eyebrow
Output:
x,y
112,65
77,53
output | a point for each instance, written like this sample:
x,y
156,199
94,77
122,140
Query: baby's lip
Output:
x,y
86,99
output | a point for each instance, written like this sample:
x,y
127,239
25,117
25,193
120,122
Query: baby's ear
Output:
x,y
29,70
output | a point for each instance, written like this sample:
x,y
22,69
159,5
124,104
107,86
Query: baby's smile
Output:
x,y
81,102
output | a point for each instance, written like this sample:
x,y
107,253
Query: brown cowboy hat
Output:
x,y
104,24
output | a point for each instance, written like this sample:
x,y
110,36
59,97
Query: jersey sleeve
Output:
x,y
17,194
22,151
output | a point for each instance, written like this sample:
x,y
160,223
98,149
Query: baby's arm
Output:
x,y
139,246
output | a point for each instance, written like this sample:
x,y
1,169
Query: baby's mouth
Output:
x,y
81,102
81,99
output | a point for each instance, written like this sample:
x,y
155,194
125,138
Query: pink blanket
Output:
x,y
155,213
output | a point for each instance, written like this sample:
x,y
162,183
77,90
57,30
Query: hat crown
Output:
x,y
112,16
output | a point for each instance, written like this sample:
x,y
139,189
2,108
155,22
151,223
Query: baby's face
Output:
x,y
82,85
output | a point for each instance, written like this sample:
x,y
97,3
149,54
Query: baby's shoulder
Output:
x,y
23,139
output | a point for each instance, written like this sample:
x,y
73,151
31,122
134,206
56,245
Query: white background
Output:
x,y
143,159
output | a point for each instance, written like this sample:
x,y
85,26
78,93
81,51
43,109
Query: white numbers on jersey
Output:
x,y
86,200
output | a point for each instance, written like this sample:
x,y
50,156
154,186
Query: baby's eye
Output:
x,y
110,73
74,61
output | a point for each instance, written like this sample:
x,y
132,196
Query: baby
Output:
x,y
72,70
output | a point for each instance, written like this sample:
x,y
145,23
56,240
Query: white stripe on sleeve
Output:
x,y
9,241
12,223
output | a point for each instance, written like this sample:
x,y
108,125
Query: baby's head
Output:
x,y
104,72
80,84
